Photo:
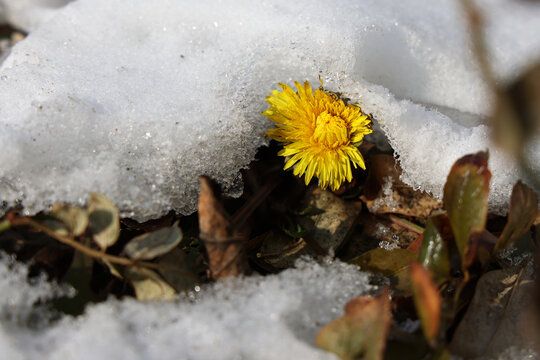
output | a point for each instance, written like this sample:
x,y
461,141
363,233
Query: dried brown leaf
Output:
x,y
153,244
104,222
75,218
149,285
385,193
521,216
226,255
330,222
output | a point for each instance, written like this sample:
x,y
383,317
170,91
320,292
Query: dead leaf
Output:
x,y
517,114
465,198
391,263
500,315
385,193
427,300
177,270
75,218
151,245
281,251
521,216
104,222
363,329
330,220
376,231
226,256
149,285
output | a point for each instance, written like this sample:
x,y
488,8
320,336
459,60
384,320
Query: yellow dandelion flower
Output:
x,y
319,132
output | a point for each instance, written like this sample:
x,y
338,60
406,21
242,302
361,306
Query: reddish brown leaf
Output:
x,y
480,244
427,300
226,256
363,329
416,244
523,213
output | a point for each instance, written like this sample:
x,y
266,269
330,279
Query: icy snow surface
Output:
x,y
135,99
28,14
272,317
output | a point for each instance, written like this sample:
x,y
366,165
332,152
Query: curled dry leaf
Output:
x,y
104,222
74,218
225,249
427,300
465,198
521,216
151,245
281,251
363,329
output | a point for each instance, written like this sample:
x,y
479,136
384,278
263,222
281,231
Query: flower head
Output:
x,y
319,132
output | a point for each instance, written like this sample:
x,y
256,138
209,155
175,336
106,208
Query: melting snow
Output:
x,y
272,317
135,100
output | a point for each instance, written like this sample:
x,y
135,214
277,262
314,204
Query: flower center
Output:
x,y
330,131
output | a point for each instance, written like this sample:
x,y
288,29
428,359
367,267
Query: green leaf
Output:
x,y
74,218
104,222
391,263
151,245
523,211
363,330
433,253
465,198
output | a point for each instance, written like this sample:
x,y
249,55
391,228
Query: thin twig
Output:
x,y
407,224
95,254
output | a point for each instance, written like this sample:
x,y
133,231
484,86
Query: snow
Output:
x,y
136,99
28,14
272,317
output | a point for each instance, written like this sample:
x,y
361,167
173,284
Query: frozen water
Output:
x,y
18,296
28,14
272,317
136,99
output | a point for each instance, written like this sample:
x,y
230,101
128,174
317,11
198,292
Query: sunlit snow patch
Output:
x,y
135,100
272,317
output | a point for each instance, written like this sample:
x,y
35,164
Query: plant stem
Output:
x,y
95,254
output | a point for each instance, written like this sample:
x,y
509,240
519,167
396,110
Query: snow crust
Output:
x,y
272,317
136,99
28,14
